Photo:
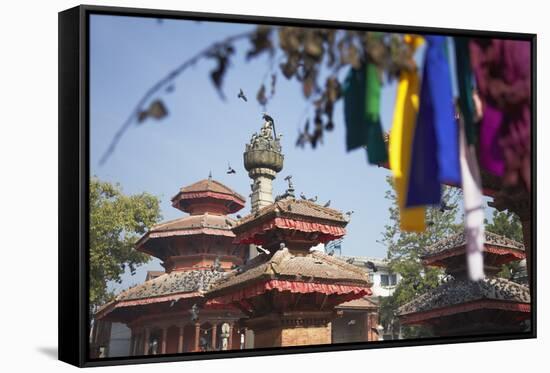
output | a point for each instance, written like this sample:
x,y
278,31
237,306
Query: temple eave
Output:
x,y
424,317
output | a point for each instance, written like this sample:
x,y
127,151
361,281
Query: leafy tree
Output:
x,y
506,224
116,222
406,248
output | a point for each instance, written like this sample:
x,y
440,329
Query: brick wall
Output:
x,y
310,335
267,338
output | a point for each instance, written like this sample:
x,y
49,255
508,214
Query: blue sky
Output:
x,y
202,133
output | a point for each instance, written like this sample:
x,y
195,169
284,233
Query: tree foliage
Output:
x,y
404,250
116,222
506,224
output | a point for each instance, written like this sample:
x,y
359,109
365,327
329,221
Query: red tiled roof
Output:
x,y
209,185
195,222
358,304
190,225
458,240
457,292
294,215
207,191
290,207
314,267
501,248
165,288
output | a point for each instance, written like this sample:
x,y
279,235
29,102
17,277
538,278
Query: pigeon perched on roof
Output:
x,y
262,250
371,266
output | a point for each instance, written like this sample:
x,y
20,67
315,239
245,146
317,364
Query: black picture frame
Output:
x,y
74,175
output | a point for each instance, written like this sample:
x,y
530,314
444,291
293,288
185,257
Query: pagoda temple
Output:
x,y
288,292
167,314
257,276
463,307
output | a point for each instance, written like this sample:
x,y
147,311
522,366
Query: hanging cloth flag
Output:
x,y
502,70
377,151
465,87
435,153
362,89
354,108
401,137
474,227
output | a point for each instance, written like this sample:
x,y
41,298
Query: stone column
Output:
x,y
180,339
163,341
231,336
146,336
262,187
132,342
367,327
214,336
135,348
197,337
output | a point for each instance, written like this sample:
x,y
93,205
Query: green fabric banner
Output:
x,y
362,90
464,79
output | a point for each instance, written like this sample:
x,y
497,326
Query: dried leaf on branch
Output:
x,y
261,42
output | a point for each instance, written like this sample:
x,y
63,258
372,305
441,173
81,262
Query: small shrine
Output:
x,y
167,313
463,307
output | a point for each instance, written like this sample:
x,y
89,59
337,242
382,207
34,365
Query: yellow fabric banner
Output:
x,y
401,141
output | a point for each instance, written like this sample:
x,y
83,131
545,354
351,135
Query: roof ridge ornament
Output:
x,y
289,193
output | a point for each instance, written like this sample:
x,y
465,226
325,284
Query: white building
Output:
x,y
383,281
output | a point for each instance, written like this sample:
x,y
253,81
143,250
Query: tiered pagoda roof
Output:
x,y
204,224
207,201
208,191
290,214
476,301
165,288
457,296
195,249
502,247
283,271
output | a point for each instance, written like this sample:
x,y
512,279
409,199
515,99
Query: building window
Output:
x,y
371,277
388,280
